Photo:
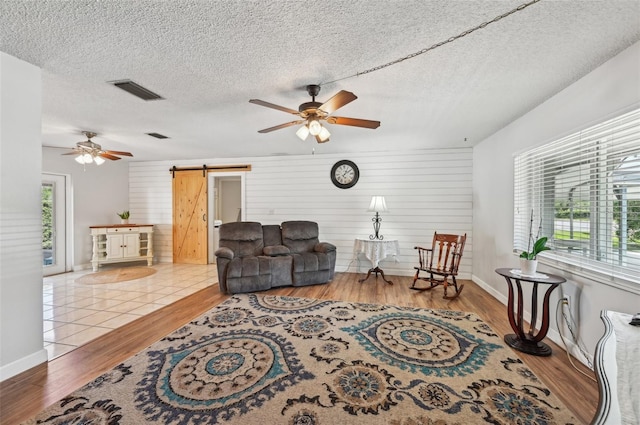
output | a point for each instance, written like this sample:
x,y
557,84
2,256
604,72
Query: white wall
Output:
x,y
425,190
229,195
98,193
21,344
611,89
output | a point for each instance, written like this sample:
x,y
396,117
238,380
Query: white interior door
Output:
x,y
54,219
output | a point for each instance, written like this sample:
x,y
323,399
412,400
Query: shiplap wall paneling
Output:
x,y
425,190
150,203
150,193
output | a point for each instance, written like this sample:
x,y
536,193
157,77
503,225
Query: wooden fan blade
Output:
x,y
338,101
118,153
278,127
355,122
108,156
274,106
319,140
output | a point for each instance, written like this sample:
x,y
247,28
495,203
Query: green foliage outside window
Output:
x,y
581,212
633,222
47,217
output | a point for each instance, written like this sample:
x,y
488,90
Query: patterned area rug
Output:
x,y
116,275
282,360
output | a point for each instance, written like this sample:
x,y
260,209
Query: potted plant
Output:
x,y
124,217
529,259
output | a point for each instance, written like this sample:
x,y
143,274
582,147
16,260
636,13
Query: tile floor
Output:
x,y
76,313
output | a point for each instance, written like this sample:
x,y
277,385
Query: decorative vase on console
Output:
x,y
124,217
528,267
528,260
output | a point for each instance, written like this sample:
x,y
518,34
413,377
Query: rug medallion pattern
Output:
x,y
281,360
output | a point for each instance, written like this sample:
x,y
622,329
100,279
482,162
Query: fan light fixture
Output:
x,y
88,152
87,158
312,113
314,128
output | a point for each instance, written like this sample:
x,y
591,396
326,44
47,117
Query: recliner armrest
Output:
x,y
276,250
224,252
324,247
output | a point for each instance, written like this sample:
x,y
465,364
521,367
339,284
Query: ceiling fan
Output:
x,y
88,151
311,113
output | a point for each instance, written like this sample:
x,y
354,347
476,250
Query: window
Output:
x,y
583,192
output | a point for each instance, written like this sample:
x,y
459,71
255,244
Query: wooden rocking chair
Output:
x,y
442,259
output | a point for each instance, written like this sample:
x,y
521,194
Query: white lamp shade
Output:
x,y
302,132
324,134
314,127
378,204
98,160
84,158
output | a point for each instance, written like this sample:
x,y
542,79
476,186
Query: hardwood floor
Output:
x,y
28,393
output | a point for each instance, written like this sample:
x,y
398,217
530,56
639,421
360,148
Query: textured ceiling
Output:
x,y
208,58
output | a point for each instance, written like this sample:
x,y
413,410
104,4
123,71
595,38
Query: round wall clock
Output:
x,y
345,174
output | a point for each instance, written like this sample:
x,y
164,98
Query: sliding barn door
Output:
x,y
190,217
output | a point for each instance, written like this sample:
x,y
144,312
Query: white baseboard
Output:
x,y
484,285
552,334
80,267
23,364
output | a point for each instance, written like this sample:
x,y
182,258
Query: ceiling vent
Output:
x,y
136,90
157,135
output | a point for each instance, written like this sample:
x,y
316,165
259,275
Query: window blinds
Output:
x,y
583,193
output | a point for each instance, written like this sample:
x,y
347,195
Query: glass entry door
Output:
x,y
53,224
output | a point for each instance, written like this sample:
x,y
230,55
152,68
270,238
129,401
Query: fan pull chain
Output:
x,y
435,46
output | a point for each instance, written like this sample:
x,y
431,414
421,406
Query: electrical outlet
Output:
x,y
569,301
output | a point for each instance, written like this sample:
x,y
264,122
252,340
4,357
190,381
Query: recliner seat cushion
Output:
x,y
248,266
310,262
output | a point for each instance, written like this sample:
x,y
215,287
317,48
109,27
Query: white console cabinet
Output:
x,y
117,243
